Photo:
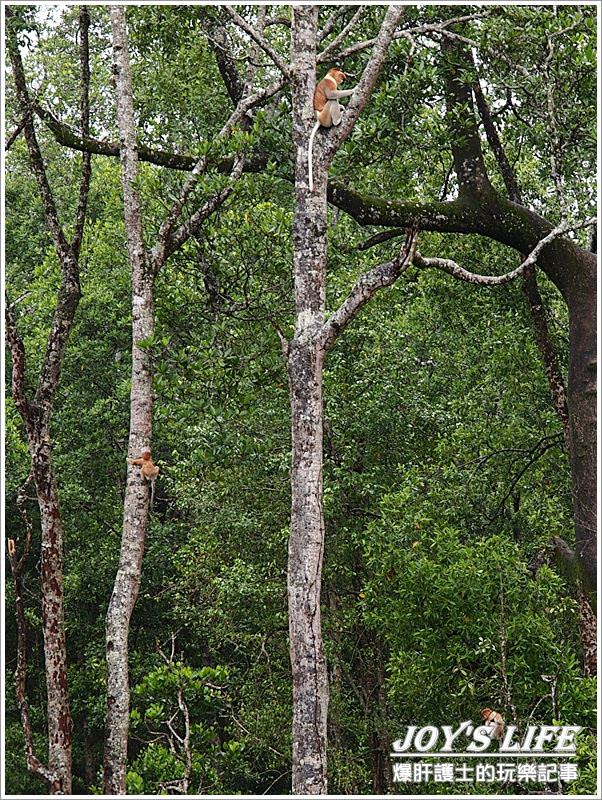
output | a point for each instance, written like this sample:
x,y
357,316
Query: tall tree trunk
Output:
x,y
136,502
305,362
305,554
306,353
36,414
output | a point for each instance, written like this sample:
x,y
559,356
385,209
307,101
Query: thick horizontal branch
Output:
x,y
66,136
444,216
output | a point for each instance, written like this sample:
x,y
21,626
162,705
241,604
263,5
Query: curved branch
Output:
x,y
17,351
447,265
331,47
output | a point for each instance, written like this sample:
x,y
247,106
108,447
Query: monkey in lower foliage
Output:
x,y
494,722
327,108
148,469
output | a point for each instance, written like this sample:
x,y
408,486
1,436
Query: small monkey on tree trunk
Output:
x,y
327,108
494,722
148,469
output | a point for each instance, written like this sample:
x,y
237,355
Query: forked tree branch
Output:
x,y
330,48
366,287
258,39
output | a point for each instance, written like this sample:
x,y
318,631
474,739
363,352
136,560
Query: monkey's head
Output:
x,y
146,455
337,74
486,713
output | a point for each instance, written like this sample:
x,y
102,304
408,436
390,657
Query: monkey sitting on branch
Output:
x,y
328,109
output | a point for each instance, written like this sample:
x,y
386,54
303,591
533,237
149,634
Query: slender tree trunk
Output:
x,y
53,614
306,353
36,413
136,503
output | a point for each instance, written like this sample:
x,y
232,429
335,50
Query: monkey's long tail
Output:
x,y
310,169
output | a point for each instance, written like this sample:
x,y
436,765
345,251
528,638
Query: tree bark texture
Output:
x,y
306,353
305,361
36,414
136,502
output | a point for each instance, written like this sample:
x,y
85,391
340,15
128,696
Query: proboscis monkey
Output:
x,y
148,469
494,722
327,108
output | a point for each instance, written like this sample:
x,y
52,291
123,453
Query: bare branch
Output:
x,y
14,135
366,287
535,453
447,265
495,143
285,21
258,38
546,349
331,48
379,238
17,351
161,248
440,28
35,155
189,228
34,765
331,22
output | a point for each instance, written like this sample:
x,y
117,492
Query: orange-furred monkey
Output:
x,y
494,722
327,108
148,469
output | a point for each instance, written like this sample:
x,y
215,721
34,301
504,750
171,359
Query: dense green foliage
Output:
x,y
435,400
